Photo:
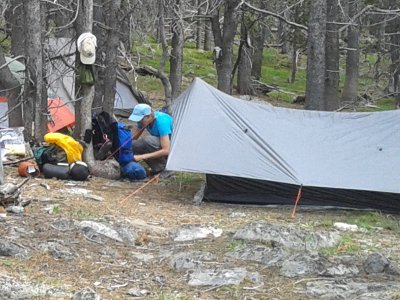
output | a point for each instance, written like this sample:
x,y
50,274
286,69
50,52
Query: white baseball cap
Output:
x,y
87,43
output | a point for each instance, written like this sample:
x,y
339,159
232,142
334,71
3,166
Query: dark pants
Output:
x,y
150,144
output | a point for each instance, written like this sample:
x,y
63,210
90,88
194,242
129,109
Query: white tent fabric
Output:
x,y
215,133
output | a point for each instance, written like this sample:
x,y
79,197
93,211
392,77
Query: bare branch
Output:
x,y
275,15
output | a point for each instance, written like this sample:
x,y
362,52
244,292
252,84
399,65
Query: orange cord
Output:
x,y
155,178
297,200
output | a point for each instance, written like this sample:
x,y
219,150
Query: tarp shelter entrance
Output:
x,y
258,154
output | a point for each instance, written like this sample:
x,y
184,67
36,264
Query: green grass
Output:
x,y
168,295
346,245
371,220
235,245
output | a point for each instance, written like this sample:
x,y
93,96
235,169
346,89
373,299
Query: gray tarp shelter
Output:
x,y
258,154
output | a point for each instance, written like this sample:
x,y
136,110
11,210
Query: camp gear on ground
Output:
x,y
123,140
49,154
79,171
72,148
28,169
56,171
105,131
134,171
258,153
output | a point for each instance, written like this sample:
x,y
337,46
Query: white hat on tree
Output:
x,y
87,44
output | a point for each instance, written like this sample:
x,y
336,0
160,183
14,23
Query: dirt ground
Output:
x,y
112,268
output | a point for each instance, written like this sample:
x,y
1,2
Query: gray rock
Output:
x,y
217,277
57,250
8,248
348,289
17,210
108,169
190,260
303,264
195,232
86,294
287,236
10,288
377,263
138,292
91,229
63,225
267,256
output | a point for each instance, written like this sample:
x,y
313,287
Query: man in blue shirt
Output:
x,y
153,148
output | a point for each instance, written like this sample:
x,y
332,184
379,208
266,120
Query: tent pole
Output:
x,y
297,200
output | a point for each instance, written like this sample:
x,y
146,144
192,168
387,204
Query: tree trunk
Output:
x,y
160,72
101,34
83,113
332,58
110,78
395,66
175,72
61,18
258,41
207,35
224,41
199,25
13,87
35,95
125,25
315,85
244,86
15,17
352,59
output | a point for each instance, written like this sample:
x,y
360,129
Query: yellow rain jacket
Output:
x,y
71,147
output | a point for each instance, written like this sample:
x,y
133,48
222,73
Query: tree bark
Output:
x,y
352,59
207,35
332,58
199,25
244,85
83,108
224,41
160,72
15,18
176,57
13,87
35,93
259,39
315,84
110,78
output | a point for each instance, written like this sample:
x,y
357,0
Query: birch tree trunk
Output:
x,y
315,84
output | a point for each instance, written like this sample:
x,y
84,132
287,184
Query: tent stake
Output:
x,y
297,200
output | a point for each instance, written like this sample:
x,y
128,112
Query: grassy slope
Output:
x,y
275,71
